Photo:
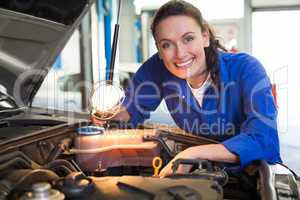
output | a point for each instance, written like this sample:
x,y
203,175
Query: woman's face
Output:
x,y
181,43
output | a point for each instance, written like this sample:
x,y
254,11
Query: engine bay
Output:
x,y
61,161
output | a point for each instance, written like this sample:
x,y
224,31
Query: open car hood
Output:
x,y
32,34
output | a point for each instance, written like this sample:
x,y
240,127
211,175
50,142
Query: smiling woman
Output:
x,y
48,151
196,37
181,46
208,92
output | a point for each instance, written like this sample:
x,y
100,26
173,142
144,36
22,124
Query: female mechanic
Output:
x,y
208,91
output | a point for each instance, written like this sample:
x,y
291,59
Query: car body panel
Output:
x,y
29,47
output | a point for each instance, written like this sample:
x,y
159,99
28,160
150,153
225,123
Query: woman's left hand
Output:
x,y
215,152
182,169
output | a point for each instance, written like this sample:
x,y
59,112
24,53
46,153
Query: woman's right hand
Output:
x,y
96,121
122,115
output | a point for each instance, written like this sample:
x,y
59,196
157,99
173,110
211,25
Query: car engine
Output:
x,y
52,159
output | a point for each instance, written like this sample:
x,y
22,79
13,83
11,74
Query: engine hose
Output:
x,y
59,149
17,154
54,154
61,164
62,170
15,163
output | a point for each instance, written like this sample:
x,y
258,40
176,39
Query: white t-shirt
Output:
x,y
199,92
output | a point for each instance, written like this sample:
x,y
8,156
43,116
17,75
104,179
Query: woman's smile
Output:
x,y
185,64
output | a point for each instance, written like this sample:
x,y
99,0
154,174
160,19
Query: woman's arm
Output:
x,y
258,136
213,152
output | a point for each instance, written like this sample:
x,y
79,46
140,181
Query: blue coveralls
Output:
x,y
241,113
